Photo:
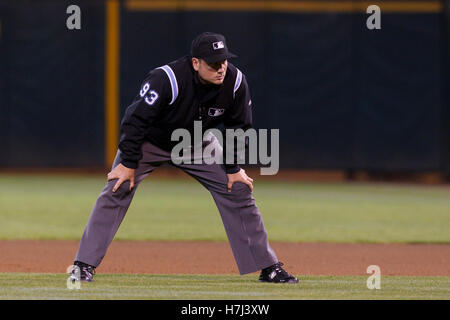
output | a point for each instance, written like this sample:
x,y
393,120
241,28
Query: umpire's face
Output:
x,y
210,72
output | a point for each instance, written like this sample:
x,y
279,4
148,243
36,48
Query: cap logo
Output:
x,y
218,45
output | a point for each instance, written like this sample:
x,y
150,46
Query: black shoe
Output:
x,y
86,272
276,274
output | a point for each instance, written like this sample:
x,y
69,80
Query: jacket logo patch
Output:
x,y
215,112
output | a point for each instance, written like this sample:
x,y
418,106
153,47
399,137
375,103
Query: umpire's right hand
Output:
x,y
123,174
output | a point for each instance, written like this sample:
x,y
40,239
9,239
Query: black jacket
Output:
x,y
172,97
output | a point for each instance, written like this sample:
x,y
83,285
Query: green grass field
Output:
x,y
58,207
211,287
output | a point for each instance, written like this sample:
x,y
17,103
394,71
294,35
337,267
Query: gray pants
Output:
x,y
240,215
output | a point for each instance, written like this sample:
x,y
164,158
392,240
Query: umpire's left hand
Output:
x,y
240,176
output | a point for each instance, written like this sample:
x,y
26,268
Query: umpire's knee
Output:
x,y
122,191
240,190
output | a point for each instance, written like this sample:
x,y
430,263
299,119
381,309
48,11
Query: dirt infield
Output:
x,y
216,258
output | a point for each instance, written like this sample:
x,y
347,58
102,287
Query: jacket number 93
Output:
x,y
152,96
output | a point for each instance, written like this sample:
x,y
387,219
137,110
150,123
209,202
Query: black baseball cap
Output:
x,y
210,47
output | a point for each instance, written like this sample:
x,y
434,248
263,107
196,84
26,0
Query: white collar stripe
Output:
x,y
173,82
238,81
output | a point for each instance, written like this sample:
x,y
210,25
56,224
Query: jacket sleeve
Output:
x,y
153,96
238,117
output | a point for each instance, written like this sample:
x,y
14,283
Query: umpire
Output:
x,y
201,87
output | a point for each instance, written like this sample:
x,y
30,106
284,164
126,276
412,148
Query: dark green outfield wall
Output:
x,y
52,78
343,96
